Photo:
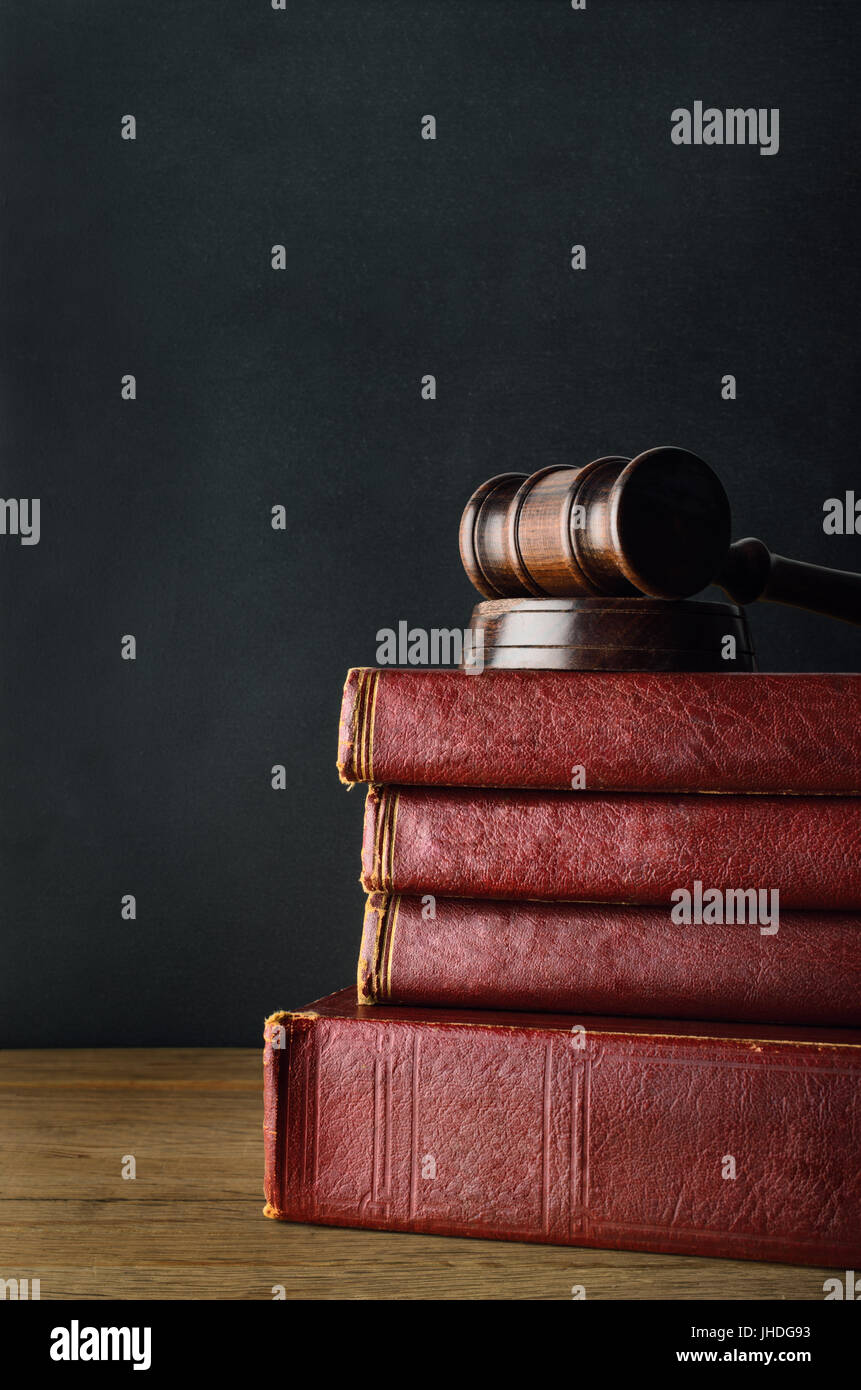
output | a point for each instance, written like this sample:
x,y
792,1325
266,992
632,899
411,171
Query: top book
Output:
x,y
605,731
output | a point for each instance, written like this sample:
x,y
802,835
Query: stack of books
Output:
x,y
608,985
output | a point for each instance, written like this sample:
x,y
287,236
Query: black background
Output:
x,y
302,387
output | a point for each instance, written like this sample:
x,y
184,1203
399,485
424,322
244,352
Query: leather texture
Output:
x,y
662,732
611,847
523,1127
582,958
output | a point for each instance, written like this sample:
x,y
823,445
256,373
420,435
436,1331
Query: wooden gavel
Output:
x,y
657,524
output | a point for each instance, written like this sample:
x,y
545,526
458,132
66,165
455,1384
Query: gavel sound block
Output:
x,y
613,634
619,546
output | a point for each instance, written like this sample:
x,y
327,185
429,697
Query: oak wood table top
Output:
x,y
188,1225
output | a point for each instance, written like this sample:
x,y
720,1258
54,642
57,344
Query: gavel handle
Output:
x,y
752,572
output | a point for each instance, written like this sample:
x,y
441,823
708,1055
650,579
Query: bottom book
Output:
x,y
699,1139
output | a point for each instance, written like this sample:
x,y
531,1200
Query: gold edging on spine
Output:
x,y
361,718
380,952
392,847
375,685
387,858
393,916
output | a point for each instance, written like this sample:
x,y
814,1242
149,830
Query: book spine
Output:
x,y
277,1039
627,731
593,847
688,1144
588,959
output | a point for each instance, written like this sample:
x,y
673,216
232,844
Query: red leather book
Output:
x,y
585,958
699,1139
611,847
628,731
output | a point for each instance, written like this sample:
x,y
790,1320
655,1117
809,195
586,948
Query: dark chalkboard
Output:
x,y
404,257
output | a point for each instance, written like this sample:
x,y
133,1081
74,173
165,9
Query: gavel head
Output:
x,y
657,524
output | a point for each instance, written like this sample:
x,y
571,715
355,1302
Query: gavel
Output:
x,y
655,525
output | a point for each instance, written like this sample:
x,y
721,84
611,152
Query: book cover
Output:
x,y
700,1139
628,731
612,847
603,959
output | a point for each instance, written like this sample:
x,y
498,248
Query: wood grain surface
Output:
x,y
189,1225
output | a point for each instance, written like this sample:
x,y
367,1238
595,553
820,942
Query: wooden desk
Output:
x,y
190,1226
